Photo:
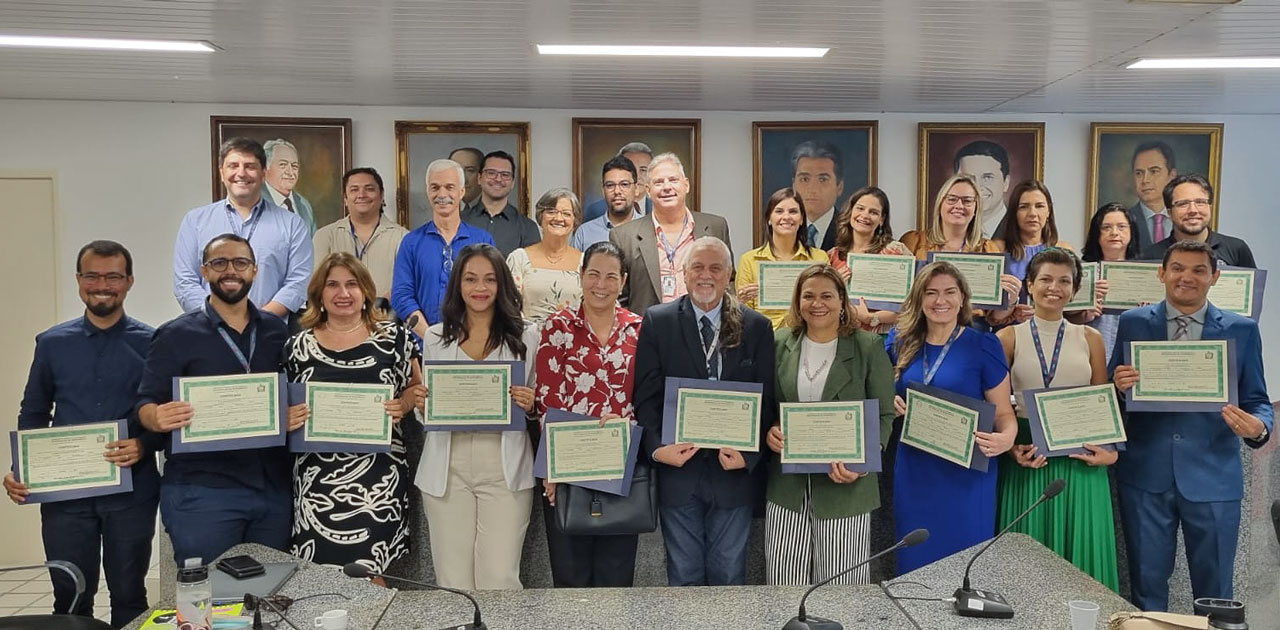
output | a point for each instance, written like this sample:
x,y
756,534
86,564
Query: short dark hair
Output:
x,y
603,248
1191,246
362,170
983,147
1155,145
242,145
1054,256
819,149
1093,242
221,238
472,150
107,249
1189,178
620,163
502,155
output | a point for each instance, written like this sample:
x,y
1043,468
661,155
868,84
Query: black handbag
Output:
x,y
584,512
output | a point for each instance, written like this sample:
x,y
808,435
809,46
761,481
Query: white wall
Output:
x,y
128,171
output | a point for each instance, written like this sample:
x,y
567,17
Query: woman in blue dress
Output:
x,y
933,344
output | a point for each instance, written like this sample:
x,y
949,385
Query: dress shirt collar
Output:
x,y
823,223
1198,316
90,329
509,211
713,314
277,197
635,214
257,207
764,252
215,319
1147,213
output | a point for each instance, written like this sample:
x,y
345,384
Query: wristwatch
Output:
x,y
875,320
1262,437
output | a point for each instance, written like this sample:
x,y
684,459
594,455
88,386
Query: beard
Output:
x,y
231,298
103,309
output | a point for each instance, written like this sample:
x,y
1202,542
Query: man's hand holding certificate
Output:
x,y
222,413
710,414
71,462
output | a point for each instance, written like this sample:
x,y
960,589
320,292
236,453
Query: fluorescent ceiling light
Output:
x,y
681,51
1206,62
93,43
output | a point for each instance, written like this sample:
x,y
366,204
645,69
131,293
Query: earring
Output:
x,y
321,308
364,307
844,316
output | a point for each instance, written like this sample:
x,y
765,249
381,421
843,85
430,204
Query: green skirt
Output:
x,y
1077,525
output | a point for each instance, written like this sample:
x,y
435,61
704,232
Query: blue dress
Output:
x,y
957,505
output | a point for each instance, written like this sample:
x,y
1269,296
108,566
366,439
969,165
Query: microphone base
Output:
x,y
467,626
812,623
984,604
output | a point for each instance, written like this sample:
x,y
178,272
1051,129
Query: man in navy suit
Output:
x,y
1183,468
705,495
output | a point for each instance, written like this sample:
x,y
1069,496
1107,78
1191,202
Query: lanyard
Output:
x,y
931,370
667,246
253,345
360,252
1047,371
255,217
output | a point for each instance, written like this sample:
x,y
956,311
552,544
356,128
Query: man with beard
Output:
x,y
640,155
427,253
1190,202
620,180
210,502
280,237
494,212
988,164
87,370
282,173
366,233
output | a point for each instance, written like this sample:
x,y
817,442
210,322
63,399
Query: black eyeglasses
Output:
x,y
220,264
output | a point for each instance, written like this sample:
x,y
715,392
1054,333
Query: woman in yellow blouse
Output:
x,y
785,221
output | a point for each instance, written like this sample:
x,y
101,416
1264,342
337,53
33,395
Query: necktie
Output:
x,y
708,342
1158,233
813,235
1181,332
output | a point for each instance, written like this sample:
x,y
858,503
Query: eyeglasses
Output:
x,y
220,264
1183,204
90,277
612,186
498,175
967,202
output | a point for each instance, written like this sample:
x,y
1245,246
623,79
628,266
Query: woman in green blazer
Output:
x,y
817,525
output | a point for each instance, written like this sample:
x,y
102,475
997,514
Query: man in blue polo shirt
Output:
x,y
87,370
427,253
210,502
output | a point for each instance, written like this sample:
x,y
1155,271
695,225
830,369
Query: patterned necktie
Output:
x,y
708,341
1158,233
813,235
1182,321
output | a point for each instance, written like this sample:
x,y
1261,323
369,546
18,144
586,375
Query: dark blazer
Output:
x,y
1228,249
829,239
1144,232
669,345
639,244
1206,451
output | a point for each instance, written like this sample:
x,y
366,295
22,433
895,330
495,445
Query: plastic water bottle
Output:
x,y
195,596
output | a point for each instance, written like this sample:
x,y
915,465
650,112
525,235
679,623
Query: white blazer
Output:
x,y
517,453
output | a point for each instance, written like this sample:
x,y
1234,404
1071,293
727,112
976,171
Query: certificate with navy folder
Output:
x,y
232,412
1130,285
982,273
1062,419
472,395
1239,290
345,418
62,463
818,433
884,281
1196,376
620,486
941,423
712,414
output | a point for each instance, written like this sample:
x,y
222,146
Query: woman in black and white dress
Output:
x,y
351,507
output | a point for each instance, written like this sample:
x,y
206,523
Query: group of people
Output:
x,y
602,312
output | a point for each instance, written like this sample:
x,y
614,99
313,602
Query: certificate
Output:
x,y
1182,372
822,432
943,423
61,463
778,282
883,281
1085,298
982,272
231,412
469,394
1240,291
1130,285
585,451
712,414
619,486
348,413
1071,417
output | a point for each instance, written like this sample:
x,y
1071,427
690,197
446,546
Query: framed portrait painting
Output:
x,y
1130,163
996,155
306,158
596,140
420,143
825,161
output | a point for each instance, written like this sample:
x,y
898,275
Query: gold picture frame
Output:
x,y
942,143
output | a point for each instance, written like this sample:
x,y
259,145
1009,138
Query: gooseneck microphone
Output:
x,y
806,622
357,570
1275,517
971,603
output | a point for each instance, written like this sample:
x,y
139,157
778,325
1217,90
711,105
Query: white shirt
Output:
x,y
991,220
815,364
822,223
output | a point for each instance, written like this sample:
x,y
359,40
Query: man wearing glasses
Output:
x,y
87,370
620,181
640,155
493,211
1190,202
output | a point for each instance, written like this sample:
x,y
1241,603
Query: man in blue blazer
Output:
x,y
1183,468
705,495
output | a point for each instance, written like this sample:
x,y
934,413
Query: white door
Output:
x,y
30,255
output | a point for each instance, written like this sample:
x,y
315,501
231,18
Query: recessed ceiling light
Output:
x,y
94,43
1205,63
681,51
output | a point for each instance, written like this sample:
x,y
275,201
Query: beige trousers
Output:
x,y
477,528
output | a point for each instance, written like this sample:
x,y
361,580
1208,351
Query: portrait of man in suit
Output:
x,y
282,174
988,164
1154,165
996,155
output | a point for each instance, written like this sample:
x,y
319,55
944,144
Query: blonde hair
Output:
x,y
795,321
973,239
912,325
314,315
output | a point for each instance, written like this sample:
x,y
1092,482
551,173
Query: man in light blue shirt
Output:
x,y
620,180
280,239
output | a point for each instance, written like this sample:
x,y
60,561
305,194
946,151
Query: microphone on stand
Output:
x,y
357,570
806,622
1275,517
987,604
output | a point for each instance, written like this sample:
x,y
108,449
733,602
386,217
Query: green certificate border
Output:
x,y
111,478
858,456
962,459
750,445
1088,289
909,271
190,434
1108,265
312,435
1218,346
554,428
986,259
1116,434
766,265
1243,274
442,417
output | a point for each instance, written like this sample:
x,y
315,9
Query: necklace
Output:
x,y
555,260
342,332
812,376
